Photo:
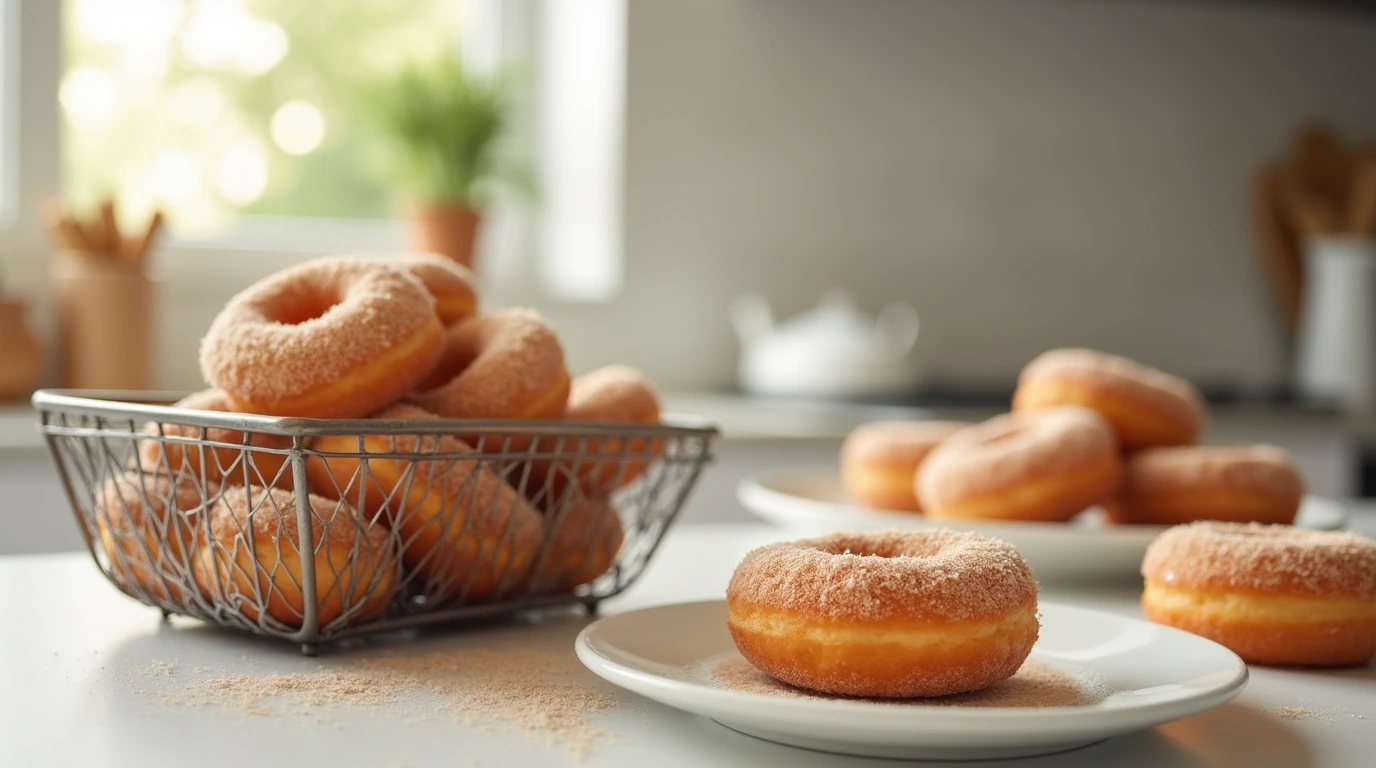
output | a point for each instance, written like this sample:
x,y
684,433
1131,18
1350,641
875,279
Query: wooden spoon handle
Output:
x,y
1361,213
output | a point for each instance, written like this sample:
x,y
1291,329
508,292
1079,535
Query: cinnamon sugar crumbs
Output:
x,y
1035,685
536,691
1322,714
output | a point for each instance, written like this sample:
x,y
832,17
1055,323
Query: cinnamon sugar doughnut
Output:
x,y
1272,594
253,558
1048,464
889,614
332,337
879,460
1169,486
258,465
616,394
464,530
1146,407
448,281
583,538
507,365
146,525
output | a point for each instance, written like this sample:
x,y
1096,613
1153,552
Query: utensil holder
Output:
x,y
105,320
1335,358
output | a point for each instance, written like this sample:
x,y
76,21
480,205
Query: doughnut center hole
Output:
x,y
302,309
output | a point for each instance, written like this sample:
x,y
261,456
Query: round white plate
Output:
x,y
812,502
1153,675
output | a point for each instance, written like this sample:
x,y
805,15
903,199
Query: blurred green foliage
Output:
x,y
334,49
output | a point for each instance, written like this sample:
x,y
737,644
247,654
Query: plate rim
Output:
x,y
947,717
753,491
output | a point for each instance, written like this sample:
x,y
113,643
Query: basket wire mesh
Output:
x,y
313,530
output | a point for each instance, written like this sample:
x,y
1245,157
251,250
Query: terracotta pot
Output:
x,y
21,356
105,311
448,229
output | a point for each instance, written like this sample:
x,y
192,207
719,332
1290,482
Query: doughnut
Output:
x,y
331,338
222,464
583,539
463,529
507,365
448,281
615,394
253,558
879,460
892,614
1146,407
1273,594
1241,484
1047,465
146,525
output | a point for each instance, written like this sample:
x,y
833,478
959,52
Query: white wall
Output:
x,y
1028,174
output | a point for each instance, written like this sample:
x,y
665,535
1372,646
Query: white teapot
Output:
x,y
831,351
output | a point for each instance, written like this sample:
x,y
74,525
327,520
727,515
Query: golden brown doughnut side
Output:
x,y
1342,634
1170,486
615,394
147,527
583,538
264,468
256,559
880,460
888,614
1044,465
331,338
1145,406
463,529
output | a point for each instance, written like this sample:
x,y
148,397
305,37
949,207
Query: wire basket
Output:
x,y
314,530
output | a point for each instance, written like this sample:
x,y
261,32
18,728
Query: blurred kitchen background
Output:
x,y
961,185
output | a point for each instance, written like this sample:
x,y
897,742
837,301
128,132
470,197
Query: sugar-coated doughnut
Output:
x,y
889,614
146,526
879,460
507,365
1273,594
1241,484
331,338
1146,407
253,558
583,539
616,394
448,281
464,530
1047,464
217,464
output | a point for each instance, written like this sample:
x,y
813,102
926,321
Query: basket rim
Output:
x,y
135,404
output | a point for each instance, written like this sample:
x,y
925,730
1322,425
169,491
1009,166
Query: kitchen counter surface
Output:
x,y
78,661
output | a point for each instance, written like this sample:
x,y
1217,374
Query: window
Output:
x,y
215,108
235,116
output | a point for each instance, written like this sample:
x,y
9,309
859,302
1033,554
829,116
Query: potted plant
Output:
x,y
21,357
444,128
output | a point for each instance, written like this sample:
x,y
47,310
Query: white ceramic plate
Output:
x,y
1152,675
811,501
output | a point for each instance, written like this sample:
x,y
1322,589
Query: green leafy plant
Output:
x,y
445,129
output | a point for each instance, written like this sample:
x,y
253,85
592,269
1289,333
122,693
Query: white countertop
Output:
x,y
73,653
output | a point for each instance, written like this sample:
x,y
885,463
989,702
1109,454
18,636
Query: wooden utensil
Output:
x,y
1309,213
135,250
1361,210
109,227
1279,243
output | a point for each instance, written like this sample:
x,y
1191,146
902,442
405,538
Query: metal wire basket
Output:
x,y
314,530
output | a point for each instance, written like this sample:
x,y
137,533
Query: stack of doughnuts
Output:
x,y
396,338
1087,428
